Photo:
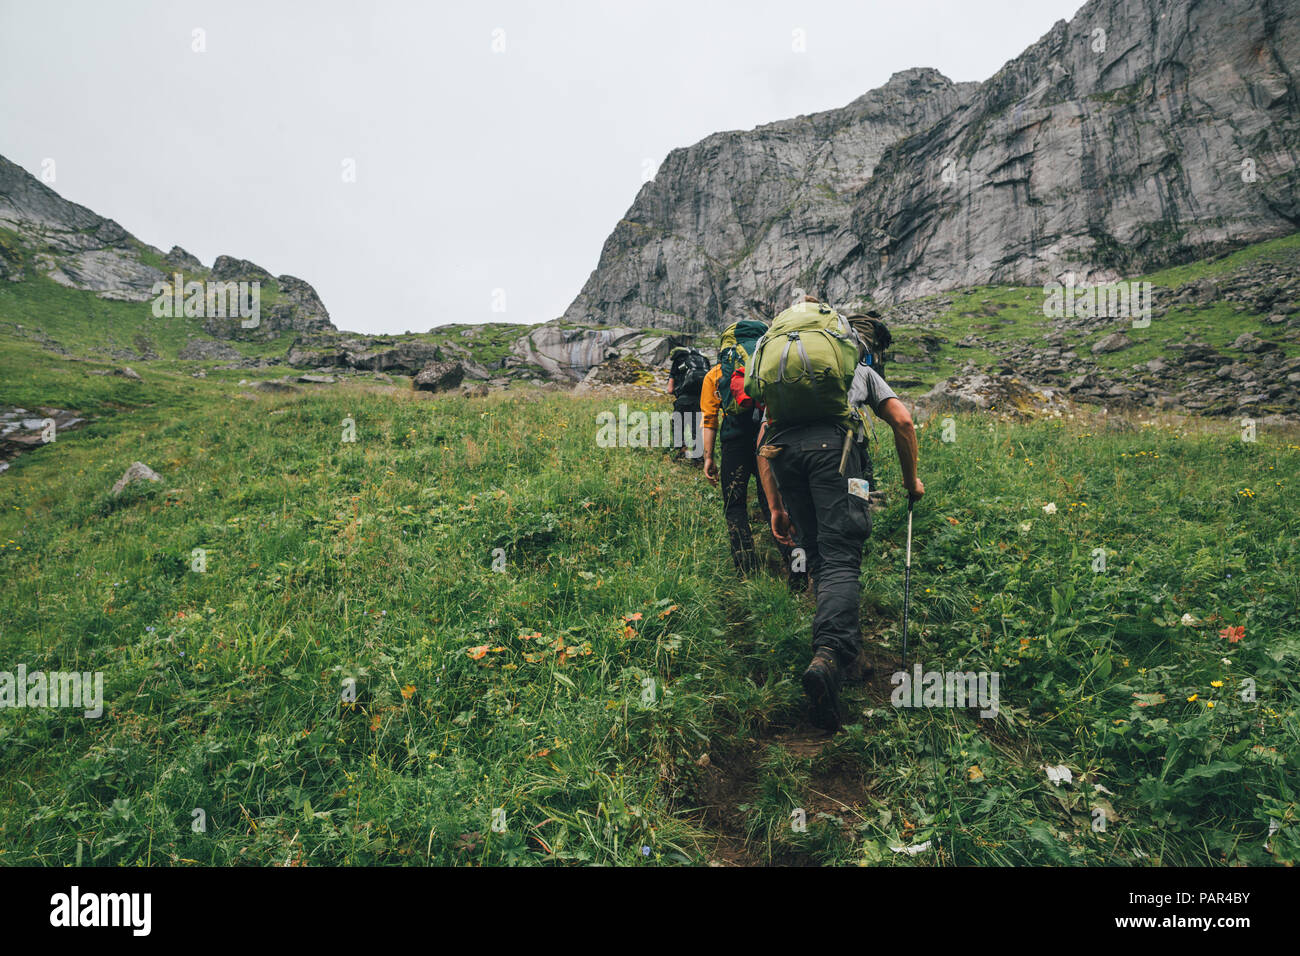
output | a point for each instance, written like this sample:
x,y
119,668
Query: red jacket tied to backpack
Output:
x,y
738,389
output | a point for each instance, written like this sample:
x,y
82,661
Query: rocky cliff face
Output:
x,y
83,250
1143,132
69,243
731,223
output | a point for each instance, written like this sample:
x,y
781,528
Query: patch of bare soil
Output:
x,y
730,779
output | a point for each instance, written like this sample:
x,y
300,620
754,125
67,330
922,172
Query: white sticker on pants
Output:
x,y
860,487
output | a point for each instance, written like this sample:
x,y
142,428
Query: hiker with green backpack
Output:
x,y
732,418
812,372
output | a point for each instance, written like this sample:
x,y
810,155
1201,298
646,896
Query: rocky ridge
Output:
x,y
1140,133
50,236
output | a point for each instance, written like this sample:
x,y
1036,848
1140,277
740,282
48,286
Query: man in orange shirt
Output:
x,y
710,412
739,462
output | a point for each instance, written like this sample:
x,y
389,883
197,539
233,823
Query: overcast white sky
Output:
x,y
475,170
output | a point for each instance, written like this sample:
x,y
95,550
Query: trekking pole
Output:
x,y
907,579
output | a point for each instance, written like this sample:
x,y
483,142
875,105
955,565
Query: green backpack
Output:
x,y
803,367
734,348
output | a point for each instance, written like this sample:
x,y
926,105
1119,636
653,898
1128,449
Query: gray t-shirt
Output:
x,y
868,389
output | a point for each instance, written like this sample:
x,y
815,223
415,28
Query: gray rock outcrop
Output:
x,y
69,243
439,377
22,430
1142,132
977,391
296,308
138,471
368,353
178,260
730,225
82,250
1114,342
208,349
230,269
570,353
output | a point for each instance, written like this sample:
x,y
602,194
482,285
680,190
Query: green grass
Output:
x,y
84,324
1218,324
152,257
663,726
372,561
1005,316
1282,249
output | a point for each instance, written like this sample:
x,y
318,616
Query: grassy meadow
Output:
x,y
472,636
1005,316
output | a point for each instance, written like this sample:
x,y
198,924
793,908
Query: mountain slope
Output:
x,y
725,215
1140,134
44,235
371,565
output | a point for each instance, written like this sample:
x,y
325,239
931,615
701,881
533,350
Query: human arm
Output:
x,y
895,414
710,418
782,529
708,436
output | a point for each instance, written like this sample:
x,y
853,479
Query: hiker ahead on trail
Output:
x,y
686,377
733,417
816,377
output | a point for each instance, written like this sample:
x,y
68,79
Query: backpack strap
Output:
x,y
792,338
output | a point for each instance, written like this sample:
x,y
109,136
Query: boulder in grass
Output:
x,y
269,385
1111,343
1249,342
208,349
439,376
138,471
125,372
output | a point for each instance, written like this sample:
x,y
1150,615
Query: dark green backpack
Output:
x,y
735,347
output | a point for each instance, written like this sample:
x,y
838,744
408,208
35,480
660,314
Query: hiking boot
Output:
x,y
861,669
798,582
821,682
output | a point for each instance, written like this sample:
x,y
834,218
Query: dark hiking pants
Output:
x,y
687,407
739,464
832,526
